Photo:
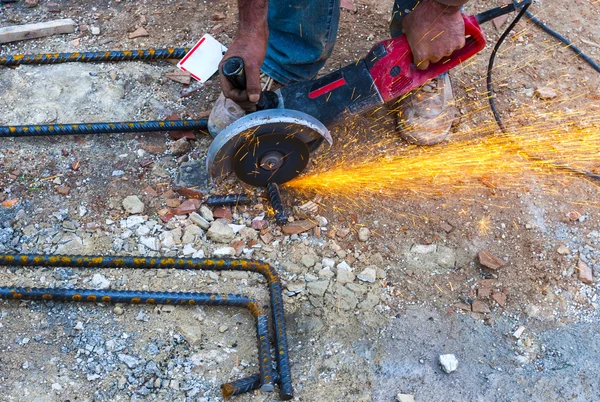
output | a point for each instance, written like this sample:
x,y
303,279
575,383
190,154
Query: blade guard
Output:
x,y
219,160
395,74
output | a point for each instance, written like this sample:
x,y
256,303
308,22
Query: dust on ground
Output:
x,y
367,319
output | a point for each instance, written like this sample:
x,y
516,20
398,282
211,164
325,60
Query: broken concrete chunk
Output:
x,y
138,33
449,363
298,227
585,272
489,261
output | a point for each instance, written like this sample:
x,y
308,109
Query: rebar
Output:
x,y
229,200
93,57
242,385
270,274
144,297
102,128
276,202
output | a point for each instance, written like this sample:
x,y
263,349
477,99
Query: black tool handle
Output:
x,y
233,69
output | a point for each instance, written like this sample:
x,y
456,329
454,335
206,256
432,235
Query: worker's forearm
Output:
x,y
253,17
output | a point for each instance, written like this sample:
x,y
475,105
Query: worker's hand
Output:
x,y
252,49
434,31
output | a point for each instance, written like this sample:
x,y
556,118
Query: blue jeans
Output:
x,y
302,34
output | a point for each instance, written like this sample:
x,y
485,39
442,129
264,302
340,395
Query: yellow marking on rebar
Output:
x,y
76,297
91,298
150,301
47,296
135,300
106,299
17,295
192,302
127,53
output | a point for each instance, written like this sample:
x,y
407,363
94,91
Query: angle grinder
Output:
x,y
274,144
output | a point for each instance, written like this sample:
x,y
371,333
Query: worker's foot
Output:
x,y
427,114
225,111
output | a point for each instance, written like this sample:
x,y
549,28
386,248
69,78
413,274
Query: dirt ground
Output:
x,y
367,318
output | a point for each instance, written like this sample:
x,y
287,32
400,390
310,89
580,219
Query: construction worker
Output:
x,y
290,40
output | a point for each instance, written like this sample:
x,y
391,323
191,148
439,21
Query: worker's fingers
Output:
x,y
423,64
253,87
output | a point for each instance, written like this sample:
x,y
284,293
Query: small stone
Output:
x,y
368,275
79,326
423,248
248,234
95,30
328,262
405,398
449,363
129,360
344,275
479,307
180,147
308,261
56,386
218,16
31,3
100,282
173,202
187,207
188,249
118,310
294,288
585,272
326,273
499,298
199,220
224,252
223,328
133,205
489,261
545,93
151,242
563,250
317,288
192,232
138,33
348,5
259,224
236,228
446,227
364,234
181,77
206,213
220,232
63,190
519,332
223,213
298,227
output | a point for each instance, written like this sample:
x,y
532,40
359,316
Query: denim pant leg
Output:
x,y
400,10
301,38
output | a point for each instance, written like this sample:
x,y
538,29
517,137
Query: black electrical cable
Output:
x,y
490,86
524,5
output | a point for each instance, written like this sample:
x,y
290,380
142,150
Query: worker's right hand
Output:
x,y
251,47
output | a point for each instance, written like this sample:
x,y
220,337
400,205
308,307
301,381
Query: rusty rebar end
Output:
x,y
227,390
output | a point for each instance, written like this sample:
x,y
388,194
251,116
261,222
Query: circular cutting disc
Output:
x,y
270,158
269,146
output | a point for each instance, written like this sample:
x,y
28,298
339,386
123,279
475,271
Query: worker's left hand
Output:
x,y
434,31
